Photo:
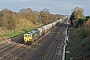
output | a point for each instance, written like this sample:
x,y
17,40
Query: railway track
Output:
x,y
29,54
46,47
52,48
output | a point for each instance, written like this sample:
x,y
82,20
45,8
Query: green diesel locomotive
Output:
x,y
31,36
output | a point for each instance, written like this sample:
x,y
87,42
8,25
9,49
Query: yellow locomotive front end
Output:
x,y
27,38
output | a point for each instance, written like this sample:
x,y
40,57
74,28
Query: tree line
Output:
x,y
25,17
78,19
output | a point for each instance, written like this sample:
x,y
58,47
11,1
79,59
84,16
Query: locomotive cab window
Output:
x,y
29,35
25,35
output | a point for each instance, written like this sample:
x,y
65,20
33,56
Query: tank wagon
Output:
x,y
60,20
36,33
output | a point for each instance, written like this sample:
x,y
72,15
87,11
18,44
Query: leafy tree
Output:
x,y
87,23
28,14
45,10
87,17
80,21
77,14
73,17
44,17
11,21
7,19
75,24
56,17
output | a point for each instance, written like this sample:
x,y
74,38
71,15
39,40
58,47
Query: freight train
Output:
x,y
36,33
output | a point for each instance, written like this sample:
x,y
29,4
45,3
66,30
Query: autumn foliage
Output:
x,y
78,19
87,23
25,18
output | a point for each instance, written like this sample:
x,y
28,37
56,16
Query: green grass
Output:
x,y
15,33
0,40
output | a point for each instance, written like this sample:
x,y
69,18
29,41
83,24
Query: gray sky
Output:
x,y
63,7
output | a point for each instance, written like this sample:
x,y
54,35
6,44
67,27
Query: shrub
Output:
x,y
85,32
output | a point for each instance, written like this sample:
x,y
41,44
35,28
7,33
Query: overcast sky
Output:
x,y
63,7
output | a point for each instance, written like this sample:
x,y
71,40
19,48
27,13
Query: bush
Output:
x,y
85,32
75,24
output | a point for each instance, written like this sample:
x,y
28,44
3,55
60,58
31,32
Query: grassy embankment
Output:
x,y
10,34
78,44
